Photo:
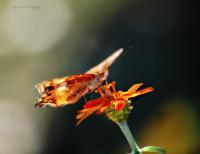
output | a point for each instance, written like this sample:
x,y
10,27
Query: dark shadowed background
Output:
x,y
44,39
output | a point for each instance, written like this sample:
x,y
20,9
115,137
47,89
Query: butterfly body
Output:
x,y
68,90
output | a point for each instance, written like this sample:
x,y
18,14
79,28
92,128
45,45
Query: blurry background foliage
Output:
x,y
44,39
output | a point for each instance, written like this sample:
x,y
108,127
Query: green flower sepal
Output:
x,y
118,116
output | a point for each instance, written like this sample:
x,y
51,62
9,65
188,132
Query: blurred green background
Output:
x,y
44,39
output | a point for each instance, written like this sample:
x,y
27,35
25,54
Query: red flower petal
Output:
x,y
92,103
119,104
103,107
134,88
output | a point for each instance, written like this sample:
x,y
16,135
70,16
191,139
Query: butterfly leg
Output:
x,y
85,99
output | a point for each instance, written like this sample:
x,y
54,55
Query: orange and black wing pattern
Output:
x,y
62,91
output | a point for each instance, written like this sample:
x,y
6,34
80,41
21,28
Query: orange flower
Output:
x,y
110,97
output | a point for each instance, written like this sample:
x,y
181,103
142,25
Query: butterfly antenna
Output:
x,y
124,52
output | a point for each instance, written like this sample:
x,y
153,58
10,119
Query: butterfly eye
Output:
x,y
102,75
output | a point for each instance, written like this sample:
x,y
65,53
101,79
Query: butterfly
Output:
x,y
68,90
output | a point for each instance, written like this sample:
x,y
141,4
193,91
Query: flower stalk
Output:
x,y
127,133
134,147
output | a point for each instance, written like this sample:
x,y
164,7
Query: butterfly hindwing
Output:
x,y
66,92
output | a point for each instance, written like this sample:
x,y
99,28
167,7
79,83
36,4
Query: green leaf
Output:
x,y
153,149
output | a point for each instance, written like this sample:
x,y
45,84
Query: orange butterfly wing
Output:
x,y
63,91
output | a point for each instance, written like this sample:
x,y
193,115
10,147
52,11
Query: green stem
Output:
x,y
127,133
